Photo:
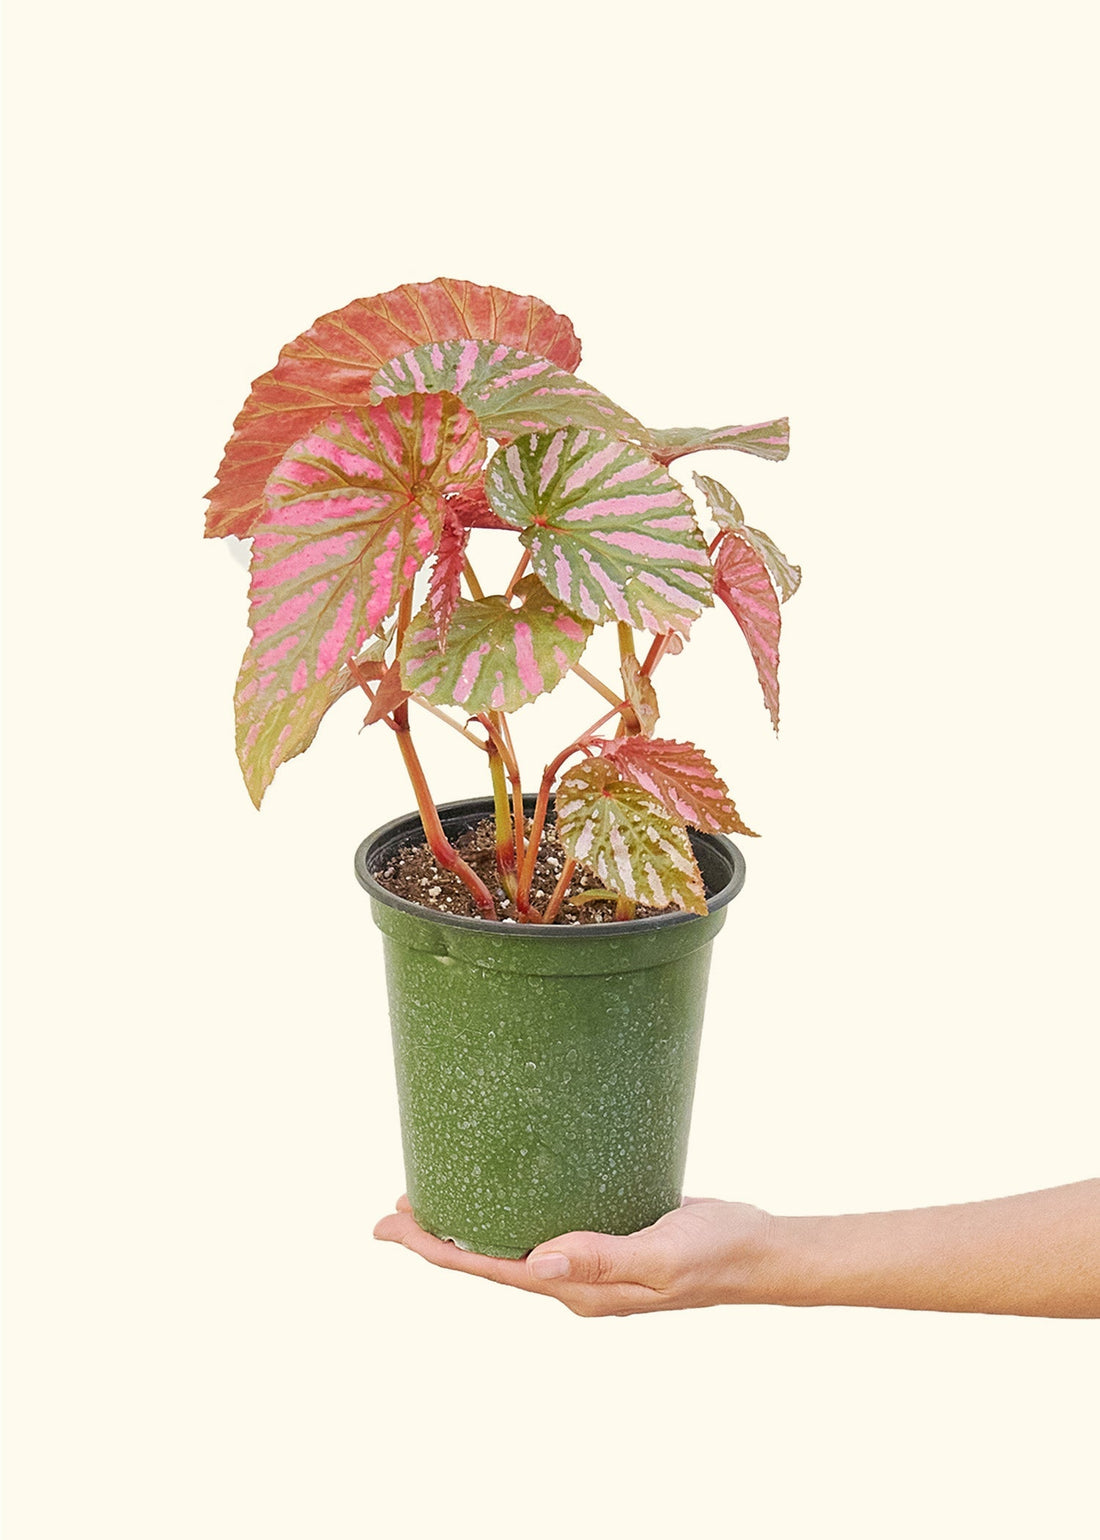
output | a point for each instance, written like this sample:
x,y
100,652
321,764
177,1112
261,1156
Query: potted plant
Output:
x,y
547,946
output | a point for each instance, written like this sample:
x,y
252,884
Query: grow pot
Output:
x,y
545,1073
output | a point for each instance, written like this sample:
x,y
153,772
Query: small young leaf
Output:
x,y
331,365
609,531
638,690
497,657
728,516
742,583
390,694
768,440
445,584
627,837
471,507
681,777
355,509
510,392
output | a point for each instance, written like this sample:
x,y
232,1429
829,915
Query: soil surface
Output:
x,y
414,874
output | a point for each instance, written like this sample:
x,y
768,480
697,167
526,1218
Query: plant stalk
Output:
x,y
559,892
438,843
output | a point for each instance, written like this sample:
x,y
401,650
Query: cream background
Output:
x,y
878,219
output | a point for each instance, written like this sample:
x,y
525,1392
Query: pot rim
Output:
x,y
469,809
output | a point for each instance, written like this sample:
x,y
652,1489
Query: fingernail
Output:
x,y
549,1264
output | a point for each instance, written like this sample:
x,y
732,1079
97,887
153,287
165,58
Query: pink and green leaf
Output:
x,y
682,779
767,440
610,532
639,692
742,583
497,656
509,391
627,837
727,514
354,511
331,365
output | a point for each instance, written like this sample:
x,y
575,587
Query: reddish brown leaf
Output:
x,y
390,694
331,364
472,508
445,584
681,777
742,583
638,690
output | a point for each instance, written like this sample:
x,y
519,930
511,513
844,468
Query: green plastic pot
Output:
x,y
545,1073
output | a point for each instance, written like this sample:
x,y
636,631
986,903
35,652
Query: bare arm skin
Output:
x,y
1034,1254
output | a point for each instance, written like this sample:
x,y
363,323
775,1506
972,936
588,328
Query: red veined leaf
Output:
x,y
728,516
445,584
355,509
609,531
638,690
509,391
331,364
472,508
497,656
681,777
768,440
390,694
627,838
742,583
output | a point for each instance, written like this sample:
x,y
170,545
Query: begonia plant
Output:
x,y
362,462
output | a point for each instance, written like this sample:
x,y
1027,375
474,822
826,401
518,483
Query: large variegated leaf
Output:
x,y
609,531
355,509
768,440
497,656
728,516
510,392
681,777
331,364
627,837
742,583
638,690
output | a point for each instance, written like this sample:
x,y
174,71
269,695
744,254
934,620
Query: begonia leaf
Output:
x,y
681,777
331,364
509,391
354,510
627,838
609,530
445,584
742,583
728,516
497,656
639,692
472,508
767,440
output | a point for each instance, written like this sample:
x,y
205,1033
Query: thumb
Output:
x,y
584,1257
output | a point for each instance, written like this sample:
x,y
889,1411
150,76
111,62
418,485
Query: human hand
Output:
x,y
708,1252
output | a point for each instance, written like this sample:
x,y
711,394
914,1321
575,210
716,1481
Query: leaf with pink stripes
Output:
x,y
497,657
627,837
331,364
742,583
681,777
610,532
509,391
354,511
767,440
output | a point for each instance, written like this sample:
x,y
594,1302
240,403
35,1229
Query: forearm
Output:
x,y
1034,1254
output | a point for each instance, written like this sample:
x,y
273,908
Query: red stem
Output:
x,y
438,843
559,892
